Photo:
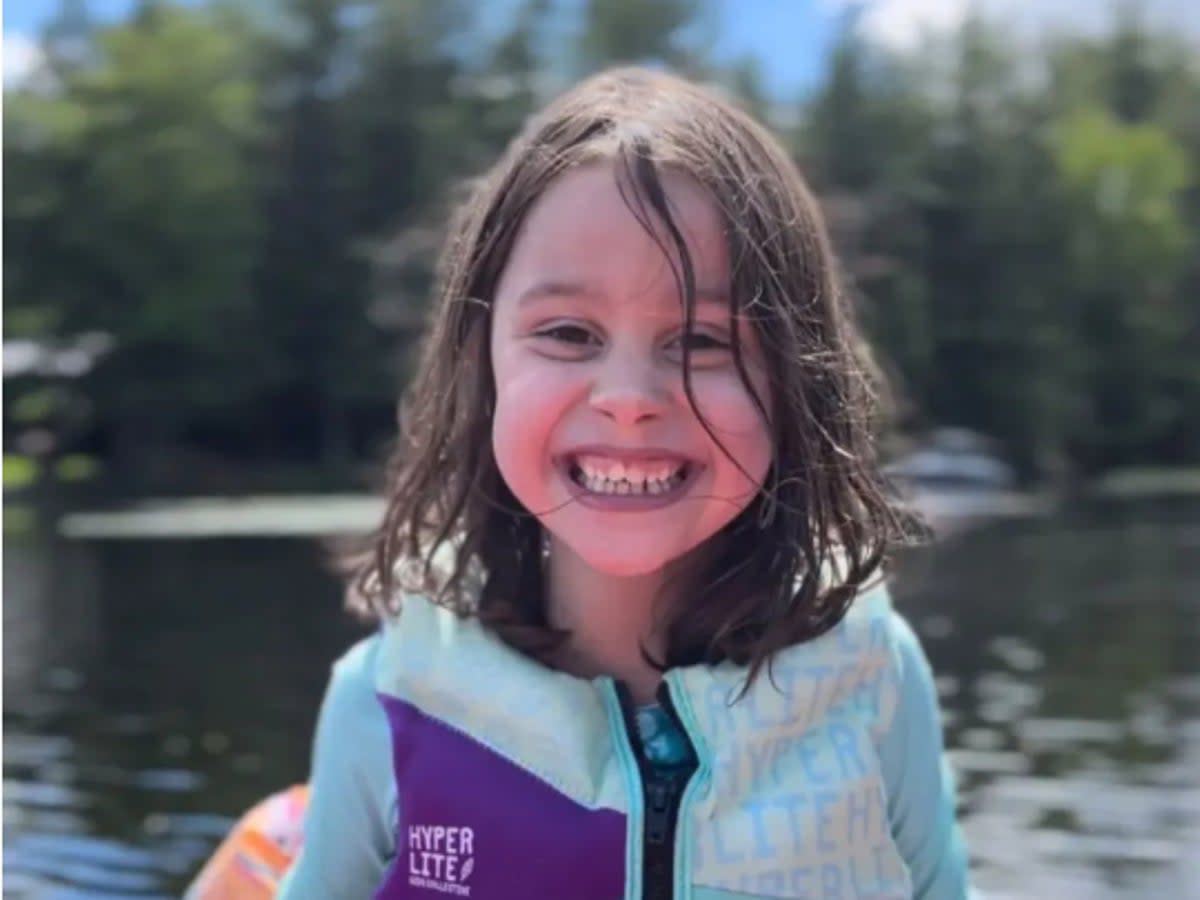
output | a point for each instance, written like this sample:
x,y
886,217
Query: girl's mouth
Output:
x,y
630,482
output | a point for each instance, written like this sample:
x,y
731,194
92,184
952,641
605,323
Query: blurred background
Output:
x,y
219,225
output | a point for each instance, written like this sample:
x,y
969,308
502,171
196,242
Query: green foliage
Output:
x,y
1121,184
19,471
77,467
1124,183
642,31
248,199
1021,246
134,214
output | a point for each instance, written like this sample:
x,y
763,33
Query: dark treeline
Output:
x,y
246,202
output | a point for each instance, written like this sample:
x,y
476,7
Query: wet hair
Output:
x,y
787,568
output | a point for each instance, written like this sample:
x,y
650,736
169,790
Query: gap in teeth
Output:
x,y
615,478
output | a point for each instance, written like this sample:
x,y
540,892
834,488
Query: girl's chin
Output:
x,y
638,558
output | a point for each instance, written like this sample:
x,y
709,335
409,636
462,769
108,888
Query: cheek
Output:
x,y
529,403
731,413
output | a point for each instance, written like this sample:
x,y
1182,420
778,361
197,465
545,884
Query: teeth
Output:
x,y
637,474
605,477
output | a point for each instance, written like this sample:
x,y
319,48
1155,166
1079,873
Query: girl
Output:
x,y
634,638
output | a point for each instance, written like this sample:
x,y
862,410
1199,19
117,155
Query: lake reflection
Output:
x,y
155,689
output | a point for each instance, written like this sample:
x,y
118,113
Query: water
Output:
x,y
154,689
1068,656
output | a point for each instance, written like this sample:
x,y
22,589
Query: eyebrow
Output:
x,y
543,290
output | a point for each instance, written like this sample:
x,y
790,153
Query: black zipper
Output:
x,y
662,793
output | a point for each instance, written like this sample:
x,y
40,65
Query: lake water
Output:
x,y
154,689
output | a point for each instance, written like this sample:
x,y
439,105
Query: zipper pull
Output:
x,y
659,794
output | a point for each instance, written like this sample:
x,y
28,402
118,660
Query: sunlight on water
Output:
x,y
155,689
214,517
1077,744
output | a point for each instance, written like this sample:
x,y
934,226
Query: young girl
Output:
x,y
634,637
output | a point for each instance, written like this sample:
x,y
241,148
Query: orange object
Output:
x,y
252,859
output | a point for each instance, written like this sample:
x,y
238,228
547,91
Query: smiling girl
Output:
x,y
634,637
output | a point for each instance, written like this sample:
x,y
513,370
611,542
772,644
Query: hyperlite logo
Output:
x,y
441,859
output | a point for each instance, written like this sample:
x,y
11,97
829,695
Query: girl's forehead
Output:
x,y
710,298
589,229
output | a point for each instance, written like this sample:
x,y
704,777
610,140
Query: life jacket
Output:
x,y
515,782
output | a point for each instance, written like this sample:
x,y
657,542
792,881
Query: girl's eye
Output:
x,y
568,334
699,342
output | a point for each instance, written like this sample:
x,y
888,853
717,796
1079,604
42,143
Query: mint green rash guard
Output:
x,y
351,823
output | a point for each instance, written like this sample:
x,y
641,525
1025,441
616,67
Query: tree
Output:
x,y
132,215
675,33
1121,184
465,98
309,287
1127,149
864,141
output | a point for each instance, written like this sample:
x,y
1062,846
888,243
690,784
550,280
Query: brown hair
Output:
x,y
784,570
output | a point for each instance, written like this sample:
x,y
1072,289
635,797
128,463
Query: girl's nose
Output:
x,y
629,392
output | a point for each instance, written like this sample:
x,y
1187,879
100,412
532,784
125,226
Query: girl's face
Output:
x,y
593,432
